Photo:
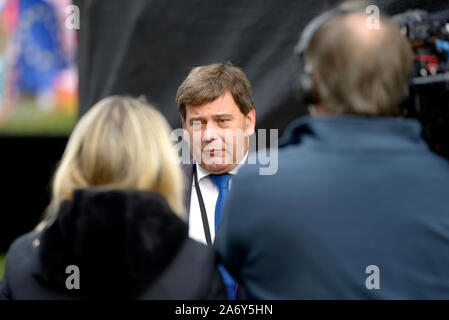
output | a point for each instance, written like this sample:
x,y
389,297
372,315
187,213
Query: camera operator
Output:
x,y
358,208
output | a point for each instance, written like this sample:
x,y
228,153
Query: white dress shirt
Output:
x,y
209,191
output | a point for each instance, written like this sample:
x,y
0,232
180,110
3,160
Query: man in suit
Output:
x,y
218,116
358,208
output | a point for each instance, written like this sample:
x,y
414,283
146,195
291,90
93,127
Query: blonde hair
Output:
x,y
120,143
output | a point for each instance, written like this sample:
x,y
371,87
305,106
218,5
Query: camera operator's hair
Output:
x,y
120,143
207,83
360,71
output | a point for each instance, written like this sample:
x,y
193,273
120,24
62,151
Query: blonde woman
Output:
x,y
115,224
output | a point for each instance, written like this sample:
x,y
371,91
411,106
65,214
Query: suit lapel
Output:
x,y
188,173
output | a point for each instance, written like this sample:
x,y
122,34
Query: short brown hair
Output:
x,y
207,83
360,71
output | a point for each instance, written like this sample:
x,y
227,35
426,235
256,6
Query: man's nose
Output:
x,y
210,133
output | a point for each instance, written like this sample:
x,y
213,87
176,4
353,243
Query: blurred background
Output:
x,y
50,75
38,107
38,74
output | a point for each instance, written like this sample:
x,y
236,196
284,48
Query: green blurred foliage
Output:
x,y
2,264
28,119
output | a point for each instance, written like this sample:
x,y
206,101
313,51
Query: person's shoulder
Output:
x,y
187,168
197,252
267,163
21,254
23,244
188,276
192,254
203,271
195,258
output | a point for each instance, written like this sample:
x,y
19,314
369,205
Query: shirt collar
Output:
x,y
203,173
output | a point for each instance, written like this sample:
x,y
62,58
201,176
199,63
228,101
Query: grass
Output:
x,y
28,119
2,264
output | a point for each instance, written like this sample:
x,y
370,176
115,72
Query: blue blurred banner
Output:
x,y
41,56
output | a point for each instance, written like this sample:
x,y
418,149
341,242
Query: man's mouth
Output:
x,y
213,152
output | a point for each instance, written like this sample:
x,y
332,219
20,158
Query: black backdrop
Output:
x,y
147,47
26,164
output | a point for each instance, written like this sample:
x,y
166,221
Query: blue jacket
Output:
x,y
351,192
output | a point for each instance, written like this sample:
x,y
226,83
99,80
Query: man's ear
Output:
x,y
250,120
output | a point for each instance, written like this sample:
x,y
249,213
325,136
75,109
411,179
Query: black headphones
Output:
x,y
303,87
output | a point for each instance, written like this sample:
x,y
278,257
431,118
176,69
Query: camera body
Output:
x,y
428,90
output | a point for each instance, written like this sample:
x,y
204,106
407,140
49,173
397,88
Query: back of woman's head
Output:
x,y
120,143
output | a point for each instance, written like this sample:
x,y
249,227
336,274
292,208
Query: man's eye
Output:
x,y
223,120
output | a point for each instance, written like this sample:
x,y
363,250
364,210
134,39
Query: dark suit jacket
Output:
x,y
188,174
350,192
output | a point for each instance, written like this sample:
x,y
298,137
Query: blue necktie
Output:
x,y
222,182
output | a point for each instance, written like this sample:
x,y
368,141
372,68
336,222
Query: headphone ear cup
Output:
x,y
303,85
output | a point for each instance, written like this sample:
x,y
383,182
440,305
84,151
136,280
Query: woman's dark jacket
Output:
x,y
125,244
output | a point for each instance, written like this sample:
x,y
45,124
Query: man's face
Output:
x,y
218,133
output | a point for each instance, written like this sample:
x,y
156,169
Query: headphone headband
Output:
x,y
303,85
